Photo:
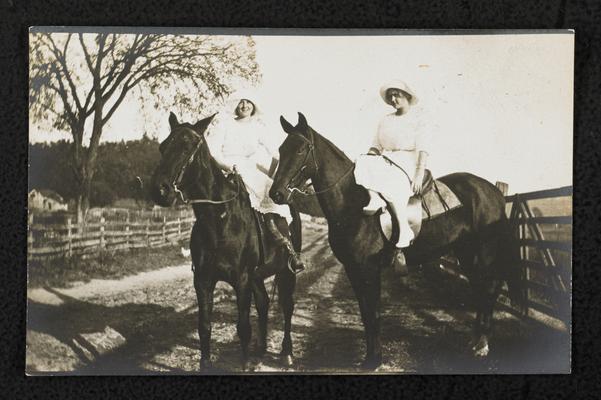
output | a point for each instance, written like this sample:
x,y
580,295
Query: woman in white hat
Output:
x,y
242,143
395,164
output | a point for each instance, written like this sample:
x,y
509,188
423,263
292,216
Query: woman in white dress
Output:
x,y
395,165
242,143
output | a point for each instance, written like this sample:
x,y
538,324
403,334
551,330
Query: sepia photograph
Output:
x,y
270,201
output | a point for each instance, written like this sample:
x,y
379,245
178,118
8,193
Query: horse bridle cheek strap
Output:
x,y
291,190
180,176
303,166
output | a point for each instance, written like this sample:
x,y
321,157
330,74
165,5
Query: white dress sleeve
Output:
x,y
216,141
377,142
267,141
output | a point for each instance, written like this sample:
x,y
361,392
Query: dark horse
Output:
x,y
478,232
225,243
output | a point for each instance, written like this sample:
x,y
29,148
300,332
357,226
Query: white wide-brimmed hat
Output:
x,y
249,95
400,85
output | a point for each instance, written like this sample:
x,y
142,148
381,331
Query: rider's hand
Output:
x,y
227,169
373,151
418,180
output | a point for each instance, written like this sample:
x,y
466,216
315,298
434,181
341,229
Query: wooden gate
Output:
x,y
542,222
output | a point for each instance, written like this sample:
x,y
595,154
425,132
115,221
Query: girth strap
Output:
x,y
259,222
442,200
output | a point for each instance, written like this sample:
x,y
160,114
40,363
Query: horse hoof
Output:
x,y
481,352
480,347
205,366
260,351
371,364
247,367
287,360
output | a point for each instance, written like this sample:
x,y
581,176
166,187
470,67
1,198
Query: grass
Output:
x,y
63,272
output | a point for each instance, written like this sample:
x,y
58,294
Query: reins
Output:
x,y
180,175
311,151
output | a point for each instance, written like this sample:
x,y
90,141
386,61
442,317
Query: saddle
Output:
x,y
435,200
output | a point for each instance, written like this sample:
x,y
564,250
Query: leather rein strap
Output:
x,y
311,152
180,175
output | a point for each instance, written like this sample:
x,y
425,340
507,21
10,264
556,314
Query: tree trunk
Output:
x,y
85,162
83,199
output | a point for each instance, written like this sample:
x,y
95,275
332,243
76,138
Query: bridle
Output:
x,y
311,152
180,175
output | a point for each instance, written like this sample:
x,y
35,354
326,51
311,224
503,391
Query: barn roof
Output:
x,y
51,194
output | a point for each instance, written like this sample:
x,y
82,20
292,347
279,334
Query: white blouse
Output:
x,y
401,132
231,141
401,138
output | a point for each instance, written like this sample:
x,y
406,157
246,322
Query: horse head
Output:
x,y
298,161
185,143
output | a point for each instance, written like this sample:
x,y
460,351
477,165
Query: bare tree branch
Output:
x,y
62,59
86,54
198,68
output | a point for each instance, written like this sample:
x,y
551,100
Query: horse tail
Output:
x,y
516,282
296,232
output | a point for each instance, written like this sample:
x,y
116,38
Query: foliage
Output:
x,y
118,166
78,81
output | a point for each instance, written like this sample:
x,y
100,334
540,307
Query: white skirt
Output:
x,y
377,174
258,185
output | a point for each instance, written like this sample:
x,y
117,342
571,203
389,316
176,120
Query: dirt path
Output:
x,y
146,324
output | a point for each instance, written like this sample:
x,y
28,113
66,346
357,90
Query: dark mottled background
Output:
x,y
584,16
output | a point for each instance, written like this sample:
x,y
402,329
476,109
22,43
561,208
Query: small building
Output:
x,y
45,200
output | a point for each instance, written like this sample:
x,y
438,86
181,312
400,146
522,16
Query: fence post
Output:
x,y
524,253
69,238
148,232
127,230
102,240
164,228
503,187
179,225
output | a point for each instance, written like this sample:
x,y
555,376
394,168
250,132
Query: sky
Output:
x,y
499,106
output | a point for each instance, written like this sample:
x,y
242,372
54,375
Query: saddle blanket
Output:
x,y
437,200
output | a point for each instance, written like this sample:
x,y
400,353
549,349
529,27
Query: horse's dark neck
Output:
x,y
208,182
342,196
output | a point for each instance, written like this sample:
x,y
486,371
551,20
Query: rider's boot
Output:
x,y
294,261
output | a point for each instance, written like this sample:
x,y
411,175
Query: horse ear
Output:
x,y
302,122
201,126
173,120
287,126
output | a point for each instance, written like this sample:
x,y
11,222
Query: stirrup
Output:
x,y
299,263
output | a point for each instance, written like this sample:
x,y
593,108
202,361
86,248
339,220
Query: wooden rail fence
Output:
x,y
546,263
48,241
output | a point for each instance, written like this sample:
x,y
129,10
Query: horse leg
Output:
x,y
367,292
262,306
243,299
286,282
372,306
486,291
204,295
486,296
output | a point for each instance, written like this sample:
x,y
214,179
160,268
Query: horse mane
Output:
x,y
335,149
212,161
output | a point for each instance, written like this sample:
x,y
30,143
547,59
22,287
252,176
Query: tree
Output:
x,y
78,81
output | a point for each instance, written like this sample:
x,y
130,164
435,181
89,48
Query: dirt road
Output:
x,y
146,324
